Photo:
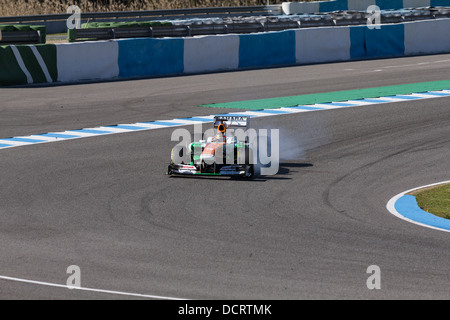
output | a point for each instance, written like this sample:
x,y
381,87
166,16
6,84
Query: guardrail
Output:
x,y
178,31
339,18
56,23
20,37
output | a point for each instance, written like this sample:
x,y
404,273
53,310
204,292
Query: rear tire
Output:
x,y
248,163
251,171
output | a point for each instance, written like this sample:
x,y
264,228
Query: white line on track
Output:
x,y
55,285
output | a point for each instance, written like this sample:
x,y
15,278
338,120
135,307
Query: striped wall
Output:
x,y
334,5
28,64
135,58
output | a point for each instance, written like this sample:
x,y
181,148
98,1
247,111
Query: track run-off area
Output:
x,y
105,204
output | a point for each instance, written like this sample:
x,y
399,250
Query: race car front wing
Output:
x,y
227,170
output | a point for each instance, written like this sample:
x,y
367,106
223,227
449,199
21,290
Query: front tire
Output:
x,y
179,155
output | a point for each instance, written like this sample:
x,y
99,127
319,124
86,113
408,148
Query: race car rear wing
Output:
x,y
231,121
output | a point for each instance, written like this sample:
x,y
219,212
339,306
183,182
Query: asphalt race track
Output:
x,y
310,232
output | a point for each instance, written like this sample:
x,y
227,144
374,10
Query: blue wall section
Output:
x,y
389,41
267,49
436,3
357,39
334,6
390,4
150,57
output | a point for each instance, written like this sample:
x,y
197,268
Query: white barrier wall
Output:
x,y
211,53
322,44
416,3
360,5
87,61
426,37
300,7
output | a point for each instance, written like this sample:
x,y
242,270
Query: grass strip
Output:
x,y
336,96
435,200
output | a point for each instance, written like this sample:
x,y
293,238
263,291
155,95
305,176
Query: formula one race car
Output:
x,y
220,155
